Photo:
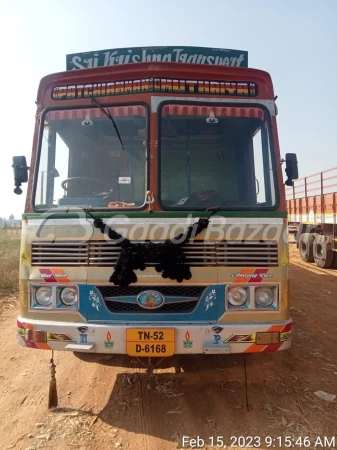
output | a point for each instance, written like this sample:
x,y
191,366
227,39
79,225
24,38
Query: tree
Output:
x,y
11,217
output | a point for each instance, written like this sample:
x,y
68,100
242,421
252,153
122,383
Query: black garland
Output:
x,y
169,256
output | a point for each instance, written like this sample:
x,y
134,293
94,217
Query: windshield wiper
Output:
x,y
107,113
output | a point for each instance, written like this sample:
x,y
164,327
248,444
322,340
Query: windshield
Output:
x,y
212,156
82,162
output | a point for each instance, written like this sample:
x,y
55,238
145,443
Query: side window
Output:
x,y
62,166
41,188
258,166
264,176
53,168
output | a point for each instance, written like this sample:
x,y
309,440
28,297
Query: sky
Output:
x,y
295,41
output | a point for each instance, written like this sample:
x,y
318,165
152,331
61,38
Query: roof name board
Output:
x,y
179,54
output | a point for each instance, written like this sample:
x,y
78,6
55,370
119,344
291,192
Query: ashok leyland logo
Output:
x,y
150,300
251,275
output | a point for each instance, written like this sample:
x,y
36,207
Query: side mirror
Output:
x,y
20,170
291,168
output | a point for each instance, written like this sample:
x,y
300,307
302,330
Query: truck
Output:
x,y
312,207
155,220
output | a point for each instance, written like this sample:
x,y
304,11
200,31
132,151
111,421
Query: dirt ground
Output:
x,y
108,402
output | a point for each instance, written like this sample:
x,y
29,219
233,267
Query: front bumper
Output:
x,y
189,339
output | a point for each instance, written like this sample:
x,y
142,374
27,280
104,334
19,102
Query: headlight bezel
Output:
x,y
56,304
250,304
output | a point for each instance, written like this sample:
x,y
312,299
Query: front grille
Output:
x,y
185,301
247,253
166,291
102,253
198,253
63,253
134,308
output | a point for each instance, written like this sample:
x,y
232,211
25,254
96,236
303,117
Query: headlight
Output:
x,y
43,296
237,296
68,296
264,296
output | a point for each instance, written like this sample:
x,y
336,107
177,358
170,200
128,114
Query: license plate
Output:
x,y
150,341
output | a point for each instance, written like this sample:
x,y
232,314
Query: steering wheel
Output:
x,y
64,183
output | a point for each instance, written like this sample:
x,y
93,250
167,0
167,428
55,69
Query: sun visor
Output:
x,y
206,111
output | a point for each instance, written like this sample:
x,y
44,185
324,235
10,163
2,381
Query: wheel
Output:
x,y
306,246
323,254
